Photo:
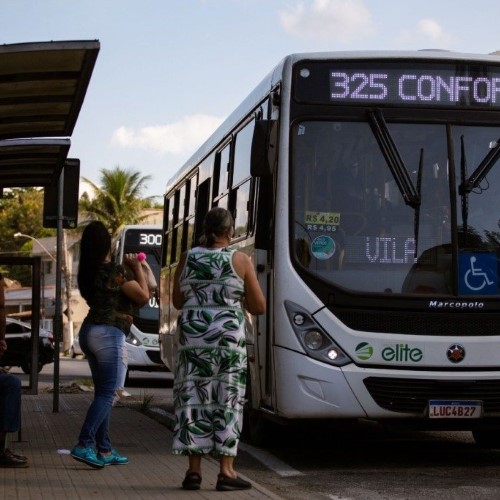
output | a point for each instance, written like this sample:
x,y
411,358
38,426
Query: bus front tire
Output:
x,y
256,429
487,438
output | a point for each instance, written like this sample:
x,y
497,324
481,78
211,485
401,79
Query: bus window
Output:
x,y
191,196
242,148
166,247
182,203
223,202
166,234
177,251
173,221
223,160
242,197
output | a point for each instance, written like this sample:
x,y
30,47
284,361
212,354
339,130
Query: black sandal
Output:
x,y
226,483
192,481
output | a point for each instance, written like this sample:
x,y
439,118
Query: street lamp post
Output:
x,y
21,235
67,280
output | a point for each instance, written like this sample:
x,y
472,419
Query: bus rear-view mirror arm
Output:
x,y
481,171
264,148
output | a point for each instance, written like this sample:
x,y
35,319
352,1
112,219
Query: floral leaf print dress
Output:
x,y
210,377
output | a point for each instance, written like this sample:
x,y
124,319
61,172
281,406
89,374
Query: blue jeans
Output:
x,y
104,346
10,403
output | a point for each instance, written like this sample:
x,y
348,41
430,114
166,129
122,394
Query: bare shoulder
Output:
x,y
241,263
241,257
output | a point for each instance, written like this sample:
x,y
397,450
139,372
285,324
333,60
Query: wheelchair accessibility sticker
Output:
x,y
478,273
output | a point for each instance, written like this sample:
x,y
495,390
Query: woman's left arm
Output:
x,y
137,289
177,297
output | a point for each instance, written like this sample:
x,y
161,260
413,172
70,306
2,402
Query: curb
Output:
x,y
161,416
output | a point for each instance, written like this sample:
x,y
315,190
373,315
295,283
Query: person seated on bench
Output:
x,y
10,399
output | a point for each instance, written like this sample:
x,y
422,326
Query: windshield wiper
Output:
x,y
461,189
481,171
419,192
393,159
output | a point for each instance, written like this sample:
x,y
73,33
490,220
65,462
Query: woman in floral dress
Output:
x,y
213,285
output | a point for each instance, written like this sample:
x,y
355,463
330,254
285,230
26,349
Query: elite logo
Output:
x,y
402,353
364,351
399,353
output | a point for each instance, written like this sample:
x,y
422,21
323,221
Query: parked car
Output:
x,y
18,337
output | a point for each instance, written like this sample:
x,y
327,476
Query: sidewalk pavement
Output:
x,y
153,472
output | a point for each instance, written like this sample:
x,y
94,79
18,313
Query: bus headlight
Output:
x,y
333,354
299,319
132,339
315,341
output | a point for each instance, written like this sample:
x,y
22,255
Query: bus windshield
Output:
x,y
146,239
397,207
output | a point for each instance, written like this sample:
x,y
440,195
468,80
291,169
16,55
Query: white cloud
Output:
x,y
329,20
427,33
176,138
434,31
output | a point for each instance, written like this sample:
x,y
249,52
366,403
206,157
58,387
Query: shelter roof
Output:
x,y
42,88
32,162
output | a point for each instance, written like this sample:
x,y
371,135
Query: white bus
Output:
x,y
143,339
366,188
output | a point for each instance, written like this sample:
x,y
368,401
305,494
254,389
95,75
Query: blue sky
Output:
x,y
169,71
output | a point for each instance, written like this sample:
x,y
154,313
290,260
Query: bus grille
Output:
x,y
154,356
146,325
413,395
420,323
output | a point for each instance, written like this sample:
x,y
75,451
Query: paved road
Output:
x,y
368,462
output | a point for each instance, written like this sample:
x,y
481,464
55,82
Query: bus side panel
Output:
x,y
306,388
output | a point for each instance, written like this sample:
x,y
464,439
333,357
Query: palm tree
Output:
x,y
117,201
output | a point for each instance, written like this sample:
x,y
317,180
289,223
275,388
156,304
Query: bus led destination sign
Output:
x,y
444,86
142,238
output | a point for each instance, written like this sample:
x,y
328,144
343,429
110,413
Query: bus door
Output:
x,y
263,395
263,337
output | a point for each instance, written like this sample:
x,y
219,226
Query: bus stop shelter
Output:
x,y
42,89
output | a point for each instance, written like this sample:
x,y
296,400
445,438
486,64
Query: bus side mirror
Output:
x,y
264,151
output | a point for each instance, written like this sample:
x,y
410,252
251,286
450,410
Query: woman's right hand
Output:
x,y
130,260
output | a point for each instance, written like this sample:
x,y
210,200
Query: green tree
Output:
x,y
117,201
21,210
